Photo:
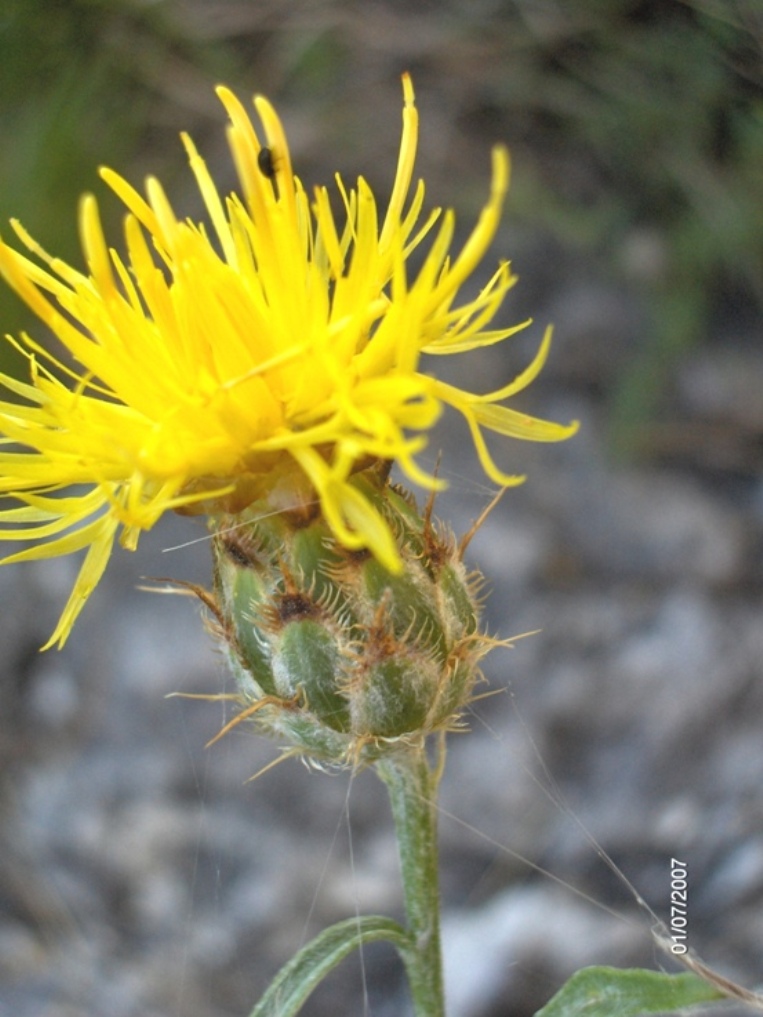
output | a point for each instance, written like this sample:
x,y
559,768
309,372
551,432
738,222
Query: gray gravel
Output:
x,y
142,876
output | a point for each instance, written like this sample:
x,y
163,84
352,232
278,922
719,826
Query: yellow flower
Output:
x,y
267,348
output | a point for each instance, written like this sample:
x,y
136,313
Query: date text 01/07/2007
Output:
x,y
678,906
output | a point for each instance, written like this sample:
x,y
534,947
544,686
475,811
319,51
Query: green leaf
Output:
x,y
616,992
297,979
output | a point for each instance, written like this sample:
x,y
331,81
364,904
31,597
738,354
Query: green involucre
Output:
x,y
332,653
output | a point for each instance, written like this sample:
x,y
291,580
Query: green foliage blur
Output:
x,y
648,119
78,88
636,126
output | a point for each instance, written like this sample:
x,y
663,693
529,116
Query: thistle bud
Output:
x,y
332,653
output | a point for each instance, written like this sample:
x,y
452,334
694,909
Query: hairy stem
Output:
x,y
412,789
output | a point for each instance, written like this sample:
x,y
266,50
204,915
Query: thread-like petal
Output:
x,y
276,344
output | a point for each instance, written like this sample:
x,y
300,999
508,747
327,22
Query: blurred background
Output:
x,y
140,875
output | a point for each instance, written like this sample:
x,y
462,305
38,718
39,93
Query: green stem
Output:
x,y
412,789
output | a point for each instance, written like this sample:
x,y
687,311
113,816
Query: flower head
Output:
x,y
268,350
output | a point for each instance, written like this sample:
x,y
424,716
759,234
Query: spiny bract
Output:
x,y
331,651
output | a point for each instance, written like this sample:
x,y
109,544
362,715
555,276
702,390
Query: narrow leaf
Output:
x,y
297,979
615,992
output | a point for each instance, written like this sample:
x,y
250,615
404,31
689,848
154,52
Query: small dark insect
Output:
x,y
265,163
